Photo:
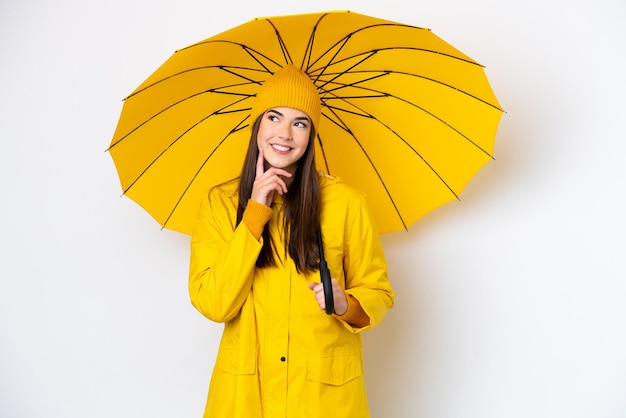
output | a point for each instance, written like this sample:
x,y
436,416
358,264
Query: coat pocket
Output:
x,y
336,370
236,361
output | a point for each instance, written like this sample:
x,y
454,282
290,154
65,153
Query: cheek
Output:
x,y
266,130
261,135
303,140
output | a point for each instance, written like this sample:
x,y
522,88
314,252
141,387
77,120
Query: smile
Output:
x,y
280,148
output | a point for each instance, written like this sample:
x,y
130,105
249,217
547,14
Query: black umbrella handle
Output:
x,y
325,277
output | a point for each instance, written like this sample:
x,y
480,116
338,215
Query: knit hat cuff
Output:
x,y
289,87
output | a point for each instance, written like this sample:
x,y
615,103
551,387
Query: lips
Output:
x,y
281,148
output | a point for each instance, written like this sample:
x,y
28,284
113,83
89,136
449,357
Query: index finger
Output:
x,y
259,164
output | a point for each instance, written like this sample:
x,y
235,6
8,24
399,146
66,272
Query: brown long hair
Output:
x,y
302,207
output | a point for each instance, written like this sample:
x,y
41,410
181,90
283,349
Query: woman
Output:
x,y
254,267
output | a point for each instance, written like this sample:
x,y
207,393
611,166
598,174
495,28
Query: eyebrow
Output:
x,y
298,118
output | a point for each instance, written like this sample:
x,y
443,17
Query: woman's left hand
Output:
x,y
339,297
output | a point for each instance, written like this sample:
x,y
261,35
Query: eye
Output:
x,y
272,117
301,124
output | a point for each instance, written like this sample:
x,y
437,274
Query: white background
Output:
x,y
510,303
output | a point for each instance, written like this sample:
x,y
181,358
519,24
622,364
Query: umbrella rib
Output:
x,y
220,111
392,48
230,70
254,57
330,61
388,72
377,74
319,140
253,53
217,112
373,167
412,149
206,67
348,36
226,41
281,43
370,54
337,75
382,93
435,172
238,127
309,49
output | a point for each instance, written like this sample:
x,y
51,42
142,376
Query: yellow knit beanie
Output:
x,y
288,87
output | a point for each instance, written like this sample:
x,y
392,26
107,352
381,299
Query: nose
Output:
x,y
285,131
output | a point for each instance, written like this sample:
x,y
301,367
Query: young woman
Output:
x,y
254,267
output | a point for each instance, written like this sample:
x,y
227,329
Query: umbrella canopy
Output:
x,y
406,117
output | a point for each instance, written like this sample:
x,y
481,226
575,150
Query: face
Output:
x,y
284,136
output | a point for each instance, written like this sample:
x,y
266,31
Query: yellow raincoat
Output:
x,y
280,354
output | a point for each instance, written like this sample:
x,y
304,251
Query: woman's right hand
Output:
x,y
268,182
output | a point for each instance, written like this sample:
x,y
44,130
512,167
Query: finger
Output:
x,y
273,171
271,184
321,301
318,294
278,175
259,164
279,184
